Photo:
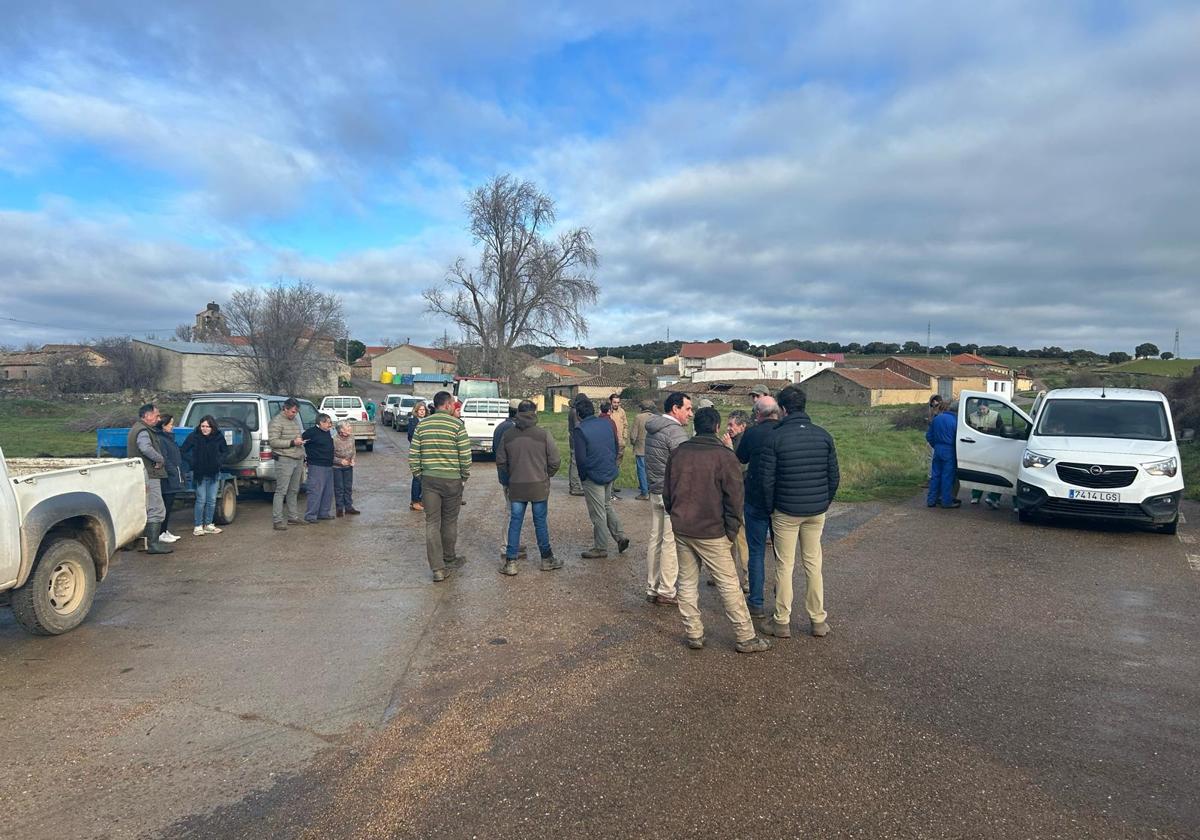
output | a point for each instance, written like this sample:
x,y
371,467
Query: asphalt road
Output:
x,y
982,679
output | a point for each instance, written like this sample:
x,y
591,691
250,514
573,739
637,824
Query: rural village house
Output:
x,y
795,365
198,366
865,387
938,375
30,366
410,359
716,360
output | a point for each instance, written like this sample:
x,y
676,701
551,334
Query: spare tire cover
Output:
x,y
243,441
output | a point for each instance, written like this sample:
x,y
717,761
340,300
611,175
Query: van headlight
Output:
x,y
1168,467
1034,461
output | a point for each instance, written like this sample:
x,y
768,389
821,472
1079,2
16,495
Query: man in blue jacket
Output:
x,y
940,435
594,446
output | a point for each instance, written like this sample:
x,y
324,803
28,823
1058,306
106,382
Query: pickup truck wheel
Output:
x,y
226,509
59,592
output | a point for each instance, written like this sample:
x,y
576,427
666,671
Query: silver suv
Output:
x,y
251,413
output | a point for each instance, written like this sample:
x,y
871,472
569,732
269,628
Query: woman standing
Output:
x,y
318,451
173,484
343,469
204,450
419,411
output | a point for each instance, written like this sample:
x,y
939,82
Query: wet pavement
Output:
x,y
982,679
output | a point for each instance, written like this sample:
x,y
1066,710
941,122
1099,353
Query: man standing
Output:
x,y
497,436
525,460
702,491
637,439
663,435
284,435
440,455
799,473
621,421
940,435
573,485
758,515
735,428
596,457
143,442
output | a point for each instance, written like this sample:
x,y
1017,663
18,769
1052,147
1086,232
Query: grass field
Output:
x,y
1157,367
34,428
876,461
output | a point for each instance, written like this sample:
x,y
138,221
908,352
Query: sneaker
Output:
x,y
198,531
211,529
594,554
298,522
167,537
651,597
756,645
550,563
974,501
696,643
820,629
642,497
992,503
279,526
772,628
509,568
622,544
440,575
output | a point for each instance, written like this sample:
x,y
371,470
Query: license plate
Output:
x,y
1094,495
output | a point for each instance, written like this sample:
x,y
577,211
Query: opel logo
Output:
x,y
1096,469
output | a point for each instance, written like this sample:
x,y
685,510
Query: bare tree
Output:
x,y
183,332
283,335
129,367
527,288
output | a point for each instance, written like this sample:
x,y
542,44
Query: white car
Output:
x,y
1096,453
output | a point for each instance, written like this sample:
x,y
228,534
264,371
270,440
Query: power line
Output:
x,y
88,329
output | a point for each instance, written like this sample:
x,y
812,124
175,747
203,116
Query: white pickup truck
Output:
x,y
61,522
481,416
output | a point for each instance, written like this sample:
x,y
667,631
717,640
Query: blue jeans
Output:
x,y
206,501
516,518
941,479
643,482
757,525
415,495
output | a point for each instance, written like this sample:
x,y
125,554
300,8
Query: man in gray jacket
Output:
x,y
663,434
283,433
143,442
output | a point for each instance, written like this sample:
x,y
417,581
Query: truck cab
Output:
x,y
1095,453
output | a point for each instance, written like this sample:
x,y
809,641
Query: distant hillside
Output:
x,y
1158,367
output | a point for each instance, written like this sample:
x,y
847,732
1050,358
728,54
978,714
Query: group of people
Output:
x,y
715,495
942,436
329,452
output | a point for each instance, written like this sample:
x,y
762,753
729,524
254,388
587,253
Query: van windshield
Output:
x,y
1129,419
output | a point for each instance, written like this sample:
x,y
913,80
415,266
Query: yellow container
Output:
x,y
386,377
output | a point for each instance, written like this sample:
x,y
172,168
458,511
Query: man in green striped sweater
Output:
x,y
440,455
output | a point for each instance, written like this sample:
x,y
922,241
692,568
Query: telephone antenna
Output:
x,y
928,336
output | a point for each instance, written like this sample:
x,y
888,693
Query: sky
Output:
x,y
1002,171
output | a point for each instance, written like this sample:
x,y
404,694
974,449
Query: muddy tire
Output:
x,y
59,592
226,507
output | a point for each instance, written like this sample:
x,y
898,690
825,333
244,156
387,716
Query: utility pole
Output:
x,y
1175,350
928,336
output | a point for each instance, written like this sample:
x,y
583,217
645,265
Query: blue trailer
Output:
x,y
111,443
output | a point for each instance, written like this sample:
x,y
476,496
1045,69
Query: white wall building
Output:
x,y
795,365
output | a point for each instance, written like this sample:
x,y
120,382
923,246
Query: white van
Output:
x,y
1098,453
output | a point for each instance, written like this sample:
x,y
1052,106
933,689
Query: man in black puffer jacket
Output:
x,y
798,471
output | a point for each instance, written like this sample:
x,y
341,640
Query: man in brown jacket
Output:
x,y
617,414
525,460
703,493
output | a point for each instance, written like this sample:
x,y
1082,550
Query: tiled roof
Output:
x,y
557,370
973,359
375,350
704,350
437,354
875,378
934,367
797,356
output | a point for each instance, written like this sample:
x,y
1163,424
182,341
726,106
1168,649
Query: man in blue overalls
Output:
x,y
940,436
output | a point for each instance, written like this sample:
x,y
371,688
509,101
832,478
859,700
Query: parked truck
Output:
x,y
61,522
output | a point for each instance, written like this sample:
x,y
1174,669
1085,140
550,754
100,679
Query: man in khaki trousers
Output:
x,y
798,469
703,493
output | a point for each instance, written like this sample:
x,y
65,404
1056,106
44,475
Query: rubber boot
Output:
x,y
153,545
